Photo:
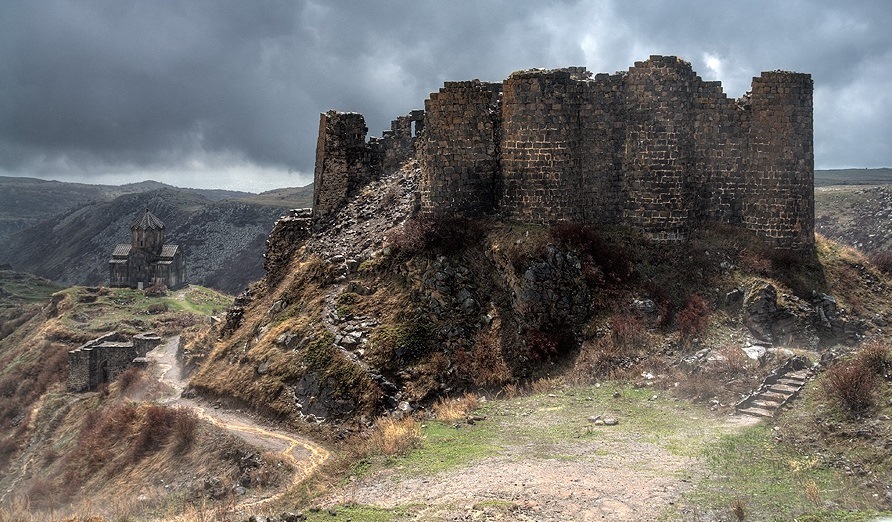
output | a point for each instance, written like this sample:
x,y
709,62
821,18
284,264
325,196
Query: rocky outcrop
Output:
x,y
788,320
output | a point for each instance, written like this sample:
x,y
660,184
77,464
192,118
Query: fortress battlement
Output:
x,y
654,147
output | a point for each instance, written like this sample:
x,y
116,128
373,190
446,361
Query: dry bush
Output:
x,y
882,260
442,233
128,378
448,410
812,492
156,308
755,261
852,385
510,391
738,508
733,362
697,386
693,319
161,425
628,333
487,364
546,384
876,356
548,345
156,290
606,259
392,437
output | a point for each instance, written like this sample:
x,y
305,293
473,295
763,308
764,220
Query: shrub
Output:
x,y
613,262
446,234
540,345
876,357
128,378
157,308
852,384
156,290
693,319
784,259
159,426
882,260
627,332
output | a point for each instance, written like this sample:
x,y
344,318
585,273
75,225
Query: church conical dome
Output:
x,y
147,221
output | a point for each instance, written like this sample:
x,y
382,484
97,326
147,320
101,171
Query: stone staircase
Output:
x,y
778,389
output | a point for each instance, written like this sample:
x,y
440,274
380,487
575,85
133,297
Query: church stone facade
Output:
x,y
147,260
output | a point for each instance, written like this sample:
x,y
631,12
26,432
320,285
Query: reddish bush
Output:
x,y
546,345
882,260
128,378
627,332
540,345
853,385
614,262
693,319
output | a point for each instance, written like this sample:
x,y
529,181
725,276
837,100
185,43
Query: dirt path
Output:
x,y
303,454
621,473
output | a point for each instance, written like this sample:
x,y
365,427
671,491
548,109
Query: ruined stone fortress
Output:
x,y
655,147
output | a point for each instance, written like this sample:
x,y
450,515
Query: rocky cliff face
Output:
x,y
374,308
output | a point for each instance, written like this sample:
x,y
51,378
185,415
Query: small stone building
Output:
x,y
102,360
147,261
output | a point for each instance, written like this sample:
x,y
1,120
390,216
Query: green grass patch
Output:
x,y
355,512
18,288
775,482
446,447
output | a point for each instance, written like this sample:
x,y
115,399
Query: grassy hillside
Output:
x,y
55,446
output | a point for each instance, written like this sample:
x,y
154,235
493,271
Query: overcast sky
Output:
x,y
227,94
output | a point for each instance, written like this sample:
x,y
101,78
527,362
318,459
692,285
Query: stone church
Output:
x,y
147,261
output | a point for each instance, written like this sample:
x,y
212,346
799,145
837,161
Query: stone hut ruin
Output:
x,y
654,147
102,360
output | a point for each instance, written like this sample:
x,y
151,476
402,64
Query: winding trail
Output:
x,y
302,454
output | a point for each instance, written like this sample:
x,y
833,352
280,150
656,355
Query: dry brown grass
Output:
x,y
449,410
733,361
390,437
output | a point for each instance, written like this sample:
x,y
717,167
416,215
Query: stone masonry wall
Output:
x,y
459,151
655,147
780,176
104,358
342,159
659,147
541,136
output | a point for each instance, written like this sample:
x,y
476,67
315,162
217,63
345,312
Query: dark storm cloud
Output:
x,y
90,88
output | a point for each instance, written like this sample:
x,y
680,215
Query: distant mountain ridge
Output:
x,y
222,232
24,202
879,176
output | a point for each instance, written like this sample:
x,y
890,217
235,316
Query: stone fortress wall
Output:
x,y
656,148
